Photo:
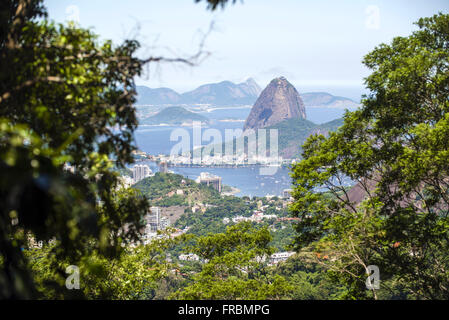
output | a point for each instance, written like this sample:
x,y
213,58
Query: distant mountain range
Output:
x,y
217,94
324,99
150,96
227,93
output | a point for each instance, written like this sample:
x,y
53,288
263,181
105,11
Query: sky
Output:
x,y
317,45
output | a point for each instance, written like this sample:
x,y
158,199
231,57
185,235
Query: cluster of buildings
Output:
x,y
189,257
154,222
257,216
201,207
141,171
220,160
277,257
287,194
274,259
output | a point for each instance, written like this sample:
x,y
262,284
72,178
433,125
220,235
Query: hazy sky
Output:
x,y
316,45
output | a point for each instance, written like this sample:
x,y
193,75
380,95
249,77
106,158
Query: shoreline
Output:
x,y
233,191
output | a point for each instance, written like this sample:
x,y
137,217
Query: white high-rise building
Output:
x,y
154,219
164,223
140,172
210,180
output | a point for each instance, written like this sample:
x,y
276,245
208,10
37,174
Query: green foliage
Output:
x,y
123,171
233,267
61,81
396,149
294,132
283,235
61,93
211,221
158,190
309,279
66,99
134,274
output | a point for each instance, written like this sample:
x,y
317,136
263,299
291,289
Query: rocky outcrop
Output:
x,y
279,101
250,88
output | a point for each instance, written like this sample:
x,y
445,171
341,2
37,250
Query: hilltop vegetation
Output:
x,y
294,132
396,146
208,218
162,187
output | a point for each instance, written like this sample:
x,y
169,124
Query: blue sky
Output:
x,y
317,45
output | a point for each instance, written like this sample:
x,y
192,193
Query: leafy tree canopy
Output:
x,y
65,99
235,267
396,149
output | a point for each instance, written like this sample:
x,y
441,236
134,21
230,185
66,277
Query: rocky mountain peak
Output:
x,y
279,101
250,87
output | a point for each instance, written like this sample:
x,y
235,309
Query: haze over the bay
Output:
x,y
317,45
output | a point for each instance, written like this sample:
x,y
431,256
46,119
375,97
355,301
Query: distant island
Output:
x,y
324,99
174,116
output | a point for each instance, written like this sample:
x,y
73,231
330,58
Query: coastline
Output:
x,y
232,192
